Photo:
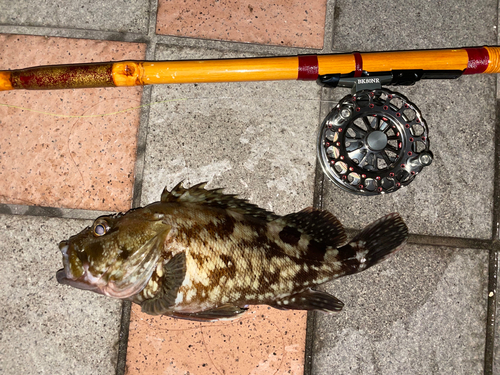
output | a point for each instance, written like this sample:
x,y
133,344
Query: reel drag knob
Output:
x,y
373,142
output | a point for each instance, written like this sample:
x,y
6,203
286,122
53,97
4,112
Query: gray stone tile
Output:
x,y
413,24
46,327
453,196
255,139
111,15
422,311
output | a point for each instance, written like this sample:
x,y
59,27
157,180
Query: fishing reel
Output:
x,y
374,141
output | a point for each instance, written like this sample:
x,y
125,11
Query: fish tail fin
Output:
x,y
375,243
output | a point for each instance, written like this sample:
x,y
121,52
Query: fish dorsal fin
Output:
x,y
215,198
321,226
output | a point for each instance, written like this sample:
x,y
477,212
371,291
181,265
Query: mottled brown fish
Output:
x,y
203,255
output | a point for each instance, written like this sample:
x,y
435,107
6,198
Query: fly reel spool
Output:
x,y
374,141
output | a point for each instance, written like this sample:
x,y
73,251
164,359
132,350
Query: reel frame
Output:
x,y
374,141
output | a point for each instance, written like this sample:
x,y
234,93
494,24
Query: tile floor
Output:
x,y
67,156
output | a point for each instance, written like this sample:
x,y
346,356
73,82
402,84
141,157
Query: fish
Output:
x,y
204,255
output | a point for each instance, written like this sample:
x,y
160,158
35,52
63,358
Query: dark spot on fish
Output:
x,y
124,254
347,257
230,269
199,258
222,229
316,250
290,235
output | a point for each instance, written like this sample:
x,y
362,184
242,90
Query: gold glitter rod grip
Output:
x,y
136,73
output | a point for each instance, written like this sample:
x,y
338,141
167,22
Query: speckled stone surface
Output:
x,y
263,341
253,139
413,24
47,328
110,15
423,311
295,23
67,148
451,197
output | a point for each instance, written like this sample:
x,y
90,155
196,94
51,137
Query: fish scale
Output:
x,y
202,255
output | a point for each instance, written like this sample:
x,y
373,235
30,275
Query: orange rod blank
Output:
x,y
137,73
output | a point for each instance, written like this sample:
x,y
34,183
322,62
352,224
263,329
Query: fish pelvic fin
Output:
x,y
224,312
375,243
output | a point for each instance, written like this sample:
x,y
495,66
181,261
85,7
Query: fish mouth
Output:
x,y
80,283
65,277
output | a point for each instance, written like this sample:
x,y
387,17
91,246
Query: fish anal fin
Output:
x,y
310,300
224,312
174,273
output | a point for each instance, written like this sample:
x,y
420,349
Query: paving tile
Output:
x,y
111,15
453,196
257,140
47,328
57,148
260,342
295,23
413,24
423,311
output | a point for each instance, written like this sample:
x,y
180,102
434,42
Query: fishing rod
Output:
x,y
374,141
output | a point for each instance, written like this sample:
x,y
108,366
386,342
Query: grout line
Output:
x,y
65,213
489,353
121,363
319,181
227,45
329,25
441,241
74,33
456,242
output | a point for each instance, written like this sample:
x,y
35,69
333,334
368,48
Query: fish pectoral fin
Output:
x,y
224,312
174,273
310,300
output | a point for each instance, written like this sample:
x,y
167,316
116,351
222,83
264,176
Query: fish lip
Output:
x,y
61,277
63,246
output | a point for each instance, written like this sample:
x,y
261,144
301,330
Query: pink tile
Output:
x,y
296,23
67,148
263,341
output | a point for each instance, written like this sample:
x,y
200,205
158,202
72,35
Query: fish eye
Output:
x,y
100,229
